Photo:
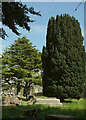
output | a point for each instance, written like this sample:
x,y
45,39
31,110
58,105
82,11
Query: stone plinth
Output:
x,y
48,101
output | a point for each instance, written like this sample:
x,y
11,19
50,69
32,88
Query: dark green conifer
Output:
x,y
63,66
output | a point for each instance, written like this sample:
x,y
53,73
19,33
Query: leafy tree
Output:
x,y
21,63
16,14
63,58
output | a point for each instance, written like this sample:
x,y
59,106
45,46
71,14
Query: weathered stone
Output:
x,y
12,100
5,101
48,101
59,117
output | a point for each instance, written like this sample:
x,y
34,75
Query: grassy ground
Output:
x,y
71,107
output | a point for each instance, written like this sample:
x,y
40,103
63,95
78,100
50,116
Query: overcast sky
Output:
x,y
37,35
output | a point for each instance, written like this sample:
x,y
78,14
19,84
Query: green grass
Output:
x,y
71,107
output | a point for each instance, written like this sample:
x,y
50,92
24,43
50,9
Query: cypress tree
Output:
x,y
63,58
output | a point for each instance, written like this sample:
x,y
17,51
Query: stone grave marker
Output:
x,y
49,101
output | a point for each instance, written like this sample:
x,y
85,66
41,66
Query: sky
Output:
x,y
37,34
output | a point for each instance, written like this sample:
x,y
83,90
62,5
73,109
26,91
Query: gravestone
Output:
x,y
49,101
10,101
5,101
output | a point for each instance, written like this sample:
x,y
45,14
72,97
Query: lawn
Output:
x,y
70,107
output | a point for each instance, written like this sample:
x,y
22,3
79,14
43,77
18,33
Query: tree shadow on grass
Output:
x,y
69,101
77,113
17,112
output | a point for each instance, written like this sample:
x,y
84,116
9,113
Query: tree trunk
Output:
x,y
26,90
18,88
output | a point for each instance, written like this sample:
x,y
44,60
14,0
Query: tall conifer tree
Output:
x,y
20,63
63,58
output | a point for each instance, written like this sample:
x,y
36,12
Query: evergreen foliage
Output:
x,y
16,14
21,63
63,58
